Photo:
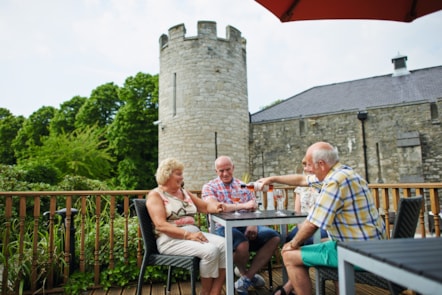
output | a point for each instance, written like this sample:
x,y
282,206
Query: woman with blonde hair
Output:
x,y
172,210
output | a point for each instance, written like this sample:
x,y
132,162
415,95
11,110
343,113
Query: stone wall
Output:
x,y
402,143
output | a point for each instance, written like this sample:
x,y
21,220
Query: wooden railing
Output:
x,y
32,213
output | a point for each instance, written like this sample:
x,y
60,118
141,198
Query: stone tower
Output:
x,y
203,104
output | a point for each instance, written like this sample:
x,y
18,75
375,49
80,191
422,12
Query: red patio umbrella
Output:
x,y
393,10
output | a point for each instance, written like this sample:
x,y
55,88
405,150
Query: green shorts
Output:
x,y
321,254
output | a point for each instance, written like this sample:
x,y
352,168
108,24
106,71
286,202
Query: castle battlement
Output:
x,y
203,103
206,30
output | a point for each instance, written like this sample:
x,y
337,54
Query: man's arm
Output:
x,y
289,179
306,230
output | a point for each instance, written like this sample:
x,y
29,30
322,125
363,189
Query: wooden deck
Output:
x,y
184,287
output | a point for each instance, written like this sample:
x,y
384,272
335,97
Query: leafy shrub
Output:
x,y
38,172
79,183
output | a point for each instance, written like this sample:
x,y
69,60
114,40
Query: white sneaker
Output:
x,y
242,286
237,273
258,282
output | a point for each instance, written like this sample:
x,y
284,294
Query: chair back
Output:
x,y
408,215
146,226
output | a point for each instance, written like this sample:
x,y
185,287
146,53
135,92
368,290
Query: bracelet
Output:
x,y
185,233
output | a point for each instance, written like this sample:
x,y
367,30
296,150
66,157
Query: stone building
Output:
x,y
203,103
386,127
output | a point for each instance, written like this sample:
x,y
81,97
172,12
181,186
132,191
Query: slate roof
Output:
x,y
420,85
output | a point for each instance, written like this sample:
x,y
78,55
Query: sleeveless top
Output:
x,y
178,212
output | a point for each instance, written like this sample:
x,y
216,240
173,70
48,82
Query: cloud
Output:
x,y
53,50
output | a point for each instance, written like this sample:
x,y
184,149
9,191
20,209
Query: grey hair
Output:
x,y
329,155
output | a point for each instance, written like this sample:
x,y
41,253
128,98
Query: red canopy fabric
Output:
x,y
393,10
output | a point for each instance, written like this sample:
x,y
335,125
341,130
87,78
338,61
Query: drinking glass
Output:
x,y
258,198
251,188
236,197
279,195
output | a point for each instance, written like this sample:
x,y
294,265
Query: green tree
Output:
x,y
9,127
78,153
65,117
34,129
133,136
100,109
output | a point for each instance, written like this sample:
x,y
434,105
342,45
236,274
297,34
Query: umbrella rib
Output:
x,y
412,13
289,12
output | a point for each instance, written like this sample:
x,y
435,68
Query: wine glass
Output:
x,y
236,197
257,194
279,195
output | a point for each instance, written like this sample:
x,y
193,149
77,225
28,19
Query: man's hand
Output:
x,y
250,205
251,232
288,247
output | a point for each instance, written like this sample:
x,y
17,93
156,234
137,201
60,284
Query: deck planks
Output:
x,y
184,287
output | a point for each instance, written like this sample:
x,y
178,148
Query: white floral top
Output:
x,y
308,197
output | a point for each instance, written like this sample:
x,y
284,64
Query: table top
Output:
x,y
265,214
419,256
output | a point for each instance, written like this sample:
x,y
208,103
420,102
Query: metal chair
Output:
x,y
404,227
152,257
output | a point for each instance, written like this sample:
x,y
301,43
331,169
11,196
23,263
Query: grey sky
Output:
x,y
52,50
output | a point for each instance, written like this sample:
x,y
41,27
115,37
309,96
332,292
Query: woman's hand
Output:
x,y
216,208
198,237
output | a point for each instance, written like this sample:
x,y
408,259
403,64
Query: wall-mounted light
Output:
x,y
362,115
159,123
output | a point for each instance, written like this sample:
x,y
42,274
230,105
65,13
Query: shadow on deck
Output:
x,y
184,287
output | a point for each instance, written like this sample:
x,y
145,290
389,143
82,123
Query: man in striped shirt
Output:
x,y
345,208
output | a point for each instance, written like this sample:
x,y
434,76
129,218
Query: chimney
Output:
x,y
400,65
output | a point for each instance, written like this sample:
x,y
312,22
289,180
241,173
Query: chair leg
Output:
x,y
169,280
141,277
270,270
193,281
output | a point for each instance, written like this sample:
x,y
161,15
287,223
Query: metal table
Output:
x,y
413,263
229,221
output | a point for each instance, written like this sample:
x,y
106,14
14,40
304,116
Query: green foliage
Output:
x,y
64,118
100,109
34,129
108,136
121,275
118,237
81,183
12,178
39,172
132,135
9,127
79,282
103,142
271,104
78,153
20,266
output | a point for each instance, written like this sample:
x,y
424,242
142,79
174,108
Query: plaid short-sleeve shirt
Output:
x,y
345,207
216,189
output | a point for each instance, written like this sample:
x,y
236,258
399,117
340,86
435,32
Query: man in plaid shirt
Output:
x,y
260,239
345,208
